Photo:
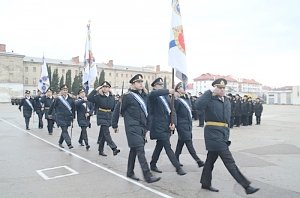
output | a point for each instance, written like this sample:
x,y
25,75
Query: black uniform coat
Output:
x,y
38,104
216,137
159,118
62,114
184,120
258,108
47,104
103,102
83,107
27,110
134,118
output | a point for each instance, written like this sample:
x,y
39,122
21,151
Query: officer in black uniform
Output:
x,y
135,113
184,124
64,106
47,100
201,115
28,107
160,126
39,108
84,112
216,135
104,105
258,109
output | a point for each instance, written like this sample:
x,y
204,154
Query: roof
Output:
x,y
49,60
212,77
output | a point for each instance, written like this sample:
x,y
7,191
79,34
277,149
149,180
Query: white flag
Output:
x,y
44,83
177,58
90,68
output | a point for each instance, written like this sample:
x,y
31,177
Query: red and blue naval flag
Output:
x,y
177,57
90,68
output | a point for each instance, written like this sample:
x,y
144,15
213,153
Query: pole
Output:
x,y
172,102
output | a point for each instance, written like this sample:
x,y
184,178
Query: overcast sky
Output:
x,y
257,39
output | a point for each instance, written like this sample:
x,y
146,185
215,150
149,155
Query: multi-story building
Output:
x,y
20,72
234,85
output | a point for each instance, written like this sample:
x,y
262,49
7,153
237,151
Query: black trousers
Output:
x,y
104,136
229,163
64,136
140,153
237,120
40,116
160,144
250,118
189,146
258,119
50,124
232,121
245,120
83,136
27,119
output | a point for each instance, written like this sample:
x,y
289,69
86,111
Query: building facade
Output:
x,y
19,73
285,95
234,85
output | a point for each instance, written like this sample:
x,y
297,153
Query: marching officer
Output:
x,y
216,135
104,105
84,112
47,100
160,127
184,124
39,108
28,107
64,107
135,113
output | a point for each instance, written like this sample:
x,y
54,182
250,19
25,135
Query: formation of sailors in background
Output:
x,y
150,112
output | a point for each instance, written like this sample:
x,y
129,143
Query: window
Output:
x,y
121,75
63,71
34,92
34,69
126,75
26,81
34,81
116,74
76,72
109,74
26,69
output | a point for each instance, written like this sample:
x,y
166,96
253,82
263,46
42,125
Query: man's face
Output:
x,y
49,93
27,95
82,94
159,86
138,85
64,91
105,89
220,91
181,90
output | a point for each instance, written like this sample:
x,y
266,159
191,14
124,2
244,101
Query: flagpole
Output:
x,y
172,102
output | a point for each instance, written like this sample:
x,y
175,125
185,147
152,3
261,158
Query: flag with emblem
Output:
x,y
44,83
90,68
177,58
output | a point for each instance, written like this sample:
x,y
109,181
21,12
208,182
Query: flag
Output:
x,y
44,83
90,69
177,58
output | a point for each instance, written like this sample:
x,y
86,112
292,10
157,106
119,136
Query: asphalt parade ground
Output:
x,y
33,166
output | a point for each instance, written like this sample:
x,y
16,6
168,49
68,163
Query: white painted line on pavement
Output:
x,y
46,177
90,162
